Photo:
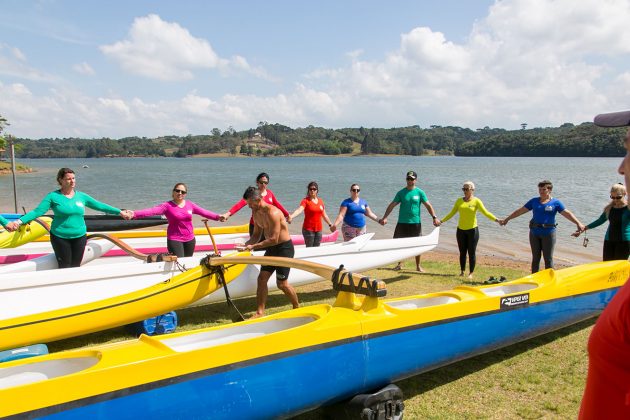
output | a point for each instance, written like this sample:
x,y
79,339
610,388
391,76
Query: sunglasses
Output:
x,y
465,189
312,189
411,179
180,191
619,197
355,189
263,182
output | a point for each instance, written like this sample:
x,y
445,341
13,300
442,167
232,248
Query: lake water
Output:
x,y
504,184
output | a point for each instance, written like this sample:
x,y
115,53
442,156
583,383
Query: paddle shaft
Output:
x,y
214,244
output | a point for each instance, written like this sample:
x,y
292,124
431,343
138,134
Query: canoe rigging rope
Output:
x,y
219,271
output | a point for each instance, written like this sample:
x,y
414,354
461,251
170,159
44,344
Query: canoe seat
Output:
x,y
508,289
39,371
418,303
233,334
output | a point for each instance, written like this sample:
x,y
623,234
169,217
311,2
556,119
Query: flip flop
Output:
x,y
397,268
491,280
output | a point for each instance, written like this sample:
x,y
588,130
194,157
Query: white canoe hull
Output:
x,y
95,248
26,293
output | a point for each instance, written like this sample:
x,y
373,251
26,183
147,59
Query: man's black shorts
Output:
x,y
285,249
408,230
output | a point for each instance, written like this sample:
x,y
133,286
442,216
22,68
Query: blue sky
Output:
x,y
150,68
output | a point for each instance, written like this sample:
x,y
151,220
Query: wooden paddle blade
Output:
x,y
342,279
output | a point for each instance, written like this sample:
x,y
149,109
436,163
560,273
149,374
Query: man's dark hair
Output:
x,y
252,193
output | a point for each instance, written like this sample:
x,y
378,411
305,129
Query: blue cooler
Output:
x,y
23,352
161,324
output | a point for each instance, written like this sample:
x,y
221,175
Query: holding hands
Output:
x,y
13,226
127,214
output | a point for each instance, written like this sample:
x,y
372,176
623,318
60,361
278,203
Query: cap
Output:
x,y
613,119
412,174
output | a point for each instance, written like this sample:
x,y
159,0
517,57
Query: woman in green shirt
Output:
x,y
467,229
68,230
617,214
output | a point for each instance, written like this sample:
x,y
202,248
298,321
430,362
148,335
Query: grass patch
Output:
x,y
540,378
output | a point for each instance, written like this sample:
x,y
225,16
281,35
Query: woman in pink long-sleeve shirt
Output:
x,y
262,180
180,234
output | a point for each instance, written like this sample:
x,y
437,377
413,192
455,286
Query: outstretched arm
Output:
x,y
340,216
514,215
570,216
369,213
388,210
436,221
295,214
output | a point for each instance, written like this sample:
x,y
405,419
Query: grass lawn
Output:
x,y
540,378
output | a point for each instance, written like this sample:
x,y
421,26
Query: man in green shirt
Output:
x,y
409,223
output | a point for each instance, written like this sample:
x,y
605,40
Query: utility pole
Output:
x,y
12,149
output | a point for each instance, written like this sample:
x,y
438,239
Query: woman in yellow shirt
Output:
x,y
467,230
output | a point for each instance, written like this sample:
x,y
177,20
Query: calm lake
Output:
x,y
504,184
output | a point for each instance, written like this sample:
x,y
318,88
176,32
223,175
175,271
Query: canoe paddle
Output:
x,y
235,314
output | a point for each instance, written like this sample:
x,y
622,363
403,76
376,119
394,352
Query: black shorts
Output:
x,y
408,230
285,249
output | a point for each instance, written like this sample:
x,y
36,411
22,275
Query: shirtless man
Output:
x,y
270,221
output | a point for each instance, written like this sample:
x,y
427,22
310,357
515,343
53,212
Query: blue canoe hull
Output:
x,y
304,379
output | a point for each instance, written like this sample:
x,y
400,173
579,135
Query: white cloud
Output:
x,y
166,51
543,62
84,68
13,63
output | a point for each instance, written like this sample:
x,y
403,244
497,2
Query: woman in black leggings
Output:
x,y
467,230
617,239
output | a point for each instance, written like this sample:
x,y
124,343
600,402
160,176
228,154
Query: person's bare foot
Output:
x,y
398,267
419,269
256,315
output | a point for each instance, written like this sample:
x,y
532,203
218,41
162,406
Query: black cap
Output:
x,y
412,174
613,119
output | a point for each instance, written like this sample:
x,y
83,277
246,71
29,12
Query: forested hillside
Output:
x,y
276,139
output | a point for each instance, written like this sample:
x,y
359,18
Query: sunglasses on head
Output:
x,y
263,182
177,190
616,197
355,189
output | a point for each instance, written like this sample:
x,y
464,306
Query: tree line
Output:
x,y
277,140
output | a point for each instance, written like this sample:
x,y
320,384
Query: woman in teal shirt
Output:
x,y
617,239
68,230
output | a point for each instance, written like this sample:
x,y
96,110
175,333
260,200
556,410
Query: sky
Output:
x,y
74,68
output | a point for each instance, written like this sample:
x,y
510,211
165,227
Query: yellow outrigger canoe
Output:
x,y
295,361
174,293
28,232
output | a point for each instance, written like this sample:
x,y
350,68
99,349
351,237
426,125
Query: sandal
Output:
x,y
491,280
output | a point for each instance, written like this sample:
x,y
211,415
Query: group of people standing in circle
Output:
x,y
68,230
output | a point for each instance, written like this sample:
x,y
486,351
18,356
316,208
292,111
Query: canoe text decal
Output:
x,y
512,301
